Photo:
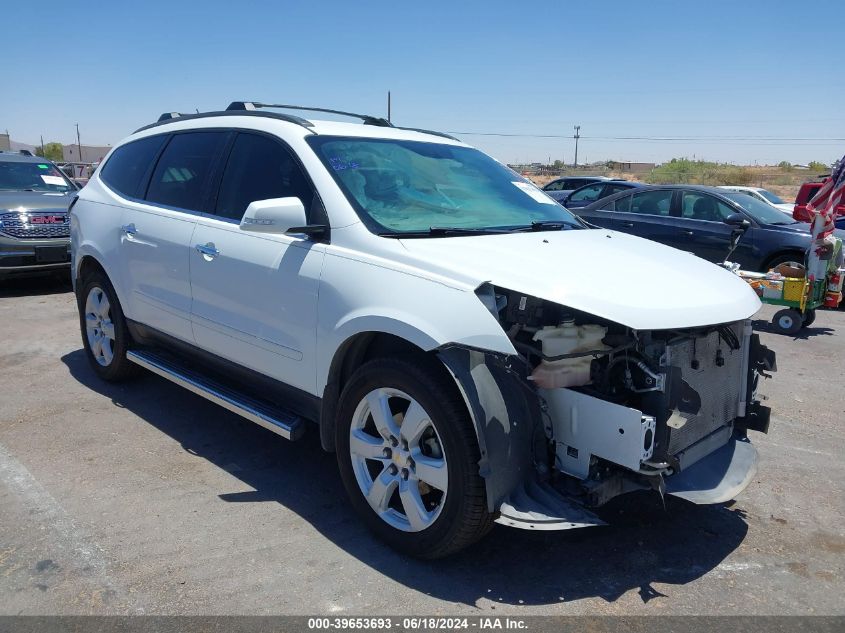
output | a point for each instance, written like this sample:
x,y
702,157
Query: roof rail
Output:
x,y
368,119
170,117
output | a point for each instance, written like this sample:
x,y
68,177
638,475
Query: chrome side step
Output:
x,y
281,422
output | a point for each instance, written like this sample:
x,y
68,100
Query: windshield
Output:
x,y
400,187
768,195
759,210
26,176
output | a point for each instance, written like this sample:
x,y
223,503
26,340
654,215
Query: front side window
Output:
x,y
182,172
652,202
259,168
128,163
32,176
400,186
699,206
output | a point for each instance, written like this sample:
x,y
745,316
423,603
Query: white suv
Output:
x,y
470,349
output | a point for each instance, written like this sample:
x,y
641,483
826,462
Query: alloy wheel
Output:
x,y
398,459
99,328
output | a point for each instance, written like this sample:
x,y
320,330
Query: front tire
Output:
x,y
408,458
104,333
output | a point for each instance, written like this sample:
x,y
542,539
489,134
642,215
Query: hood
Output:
x,y
635,282
786,208
34,200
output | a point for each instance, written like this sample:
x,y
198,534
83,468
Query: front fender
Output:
x,y
506,414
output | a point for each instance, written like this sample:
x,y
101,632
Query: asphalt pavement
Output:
x,y
144,498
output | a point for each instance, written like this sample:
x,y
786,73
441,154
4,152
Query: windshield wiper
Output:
x,y
445,231
553,225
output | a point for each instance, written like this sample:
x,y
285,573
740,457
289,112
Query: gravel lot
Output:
x,y
143,498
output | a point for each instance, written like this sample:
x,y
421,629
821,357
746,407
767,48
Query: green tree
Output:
x,y
558,164
785,165
51,151
818,166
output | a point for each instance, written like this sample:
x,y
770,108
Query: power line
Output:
x,y
658,138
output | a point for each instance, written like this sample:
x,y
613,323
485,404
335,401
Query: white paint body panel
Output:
x,y
255,303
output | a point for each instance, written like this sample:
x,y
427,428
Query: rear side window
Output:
x,y
555,185
128,163
652,202
587,194
183,171
259,168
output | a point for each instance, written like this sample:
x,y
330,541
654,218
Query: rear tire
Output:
x,y
809,318
386,469
105,336
788,321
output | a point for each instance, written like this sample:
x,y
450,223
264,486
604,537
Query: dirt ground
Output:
x,y
143,498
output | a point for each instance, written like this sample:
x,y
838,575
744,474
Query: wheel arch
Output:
x,y
781,254
353,352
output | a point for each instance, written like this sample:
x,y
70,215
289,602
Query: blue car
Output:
x,y
702,220
588,194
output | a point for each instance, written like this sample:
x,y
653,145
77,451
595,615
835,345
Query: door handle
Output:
x,y
687,232
628,225
128,229
208,251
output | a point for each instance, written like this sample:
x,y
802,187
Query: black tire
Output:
x,y
784,258
809,318
788,321
463,518
120,368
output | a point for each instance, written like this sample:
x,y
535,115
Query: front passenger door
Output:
x,y
702,229
255,294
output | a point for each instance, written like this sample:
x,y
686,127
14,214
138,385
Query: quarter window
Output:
x,y
182,172
651,202
128,163
259,168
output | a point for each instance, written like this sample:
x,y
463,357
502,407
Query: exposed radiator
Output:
x,y
719,387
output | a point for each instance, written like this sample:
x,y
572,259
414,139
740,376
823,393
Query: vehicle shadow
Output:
x,y
644,544
761,325
33,286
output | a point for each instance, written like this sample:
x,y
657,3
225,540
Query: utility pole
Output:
x,y
388,106
78,143
42,145
576,137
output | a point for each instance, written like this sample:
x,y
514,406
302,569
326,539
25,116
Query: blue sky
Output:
x,y
696,70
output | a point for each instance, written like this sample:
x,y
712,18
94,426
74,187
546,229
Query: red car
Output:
x,y
805,194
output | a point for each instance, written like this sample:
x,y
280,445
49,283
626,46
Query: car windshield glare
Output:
x,y
26,176
401,186
759,210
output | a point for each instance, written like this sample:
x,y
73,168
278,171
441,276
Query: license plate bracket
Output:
x,y
51,254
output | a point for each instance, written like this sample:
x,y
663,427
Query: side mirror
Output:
x,y
279,215
738,221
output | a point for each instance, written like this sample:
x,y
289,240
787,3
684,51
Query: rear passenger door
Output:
x,y
255,294
156,231
647,214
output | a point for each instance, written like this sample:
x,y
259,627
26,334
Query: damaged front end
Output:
x,y
590,409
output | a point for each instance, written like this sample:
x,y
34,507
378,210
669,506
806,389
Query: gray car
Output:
x,y
562,187
34,222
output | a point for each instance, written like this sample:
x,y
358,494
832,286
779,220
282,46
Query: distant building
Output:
x,y
631,167
90,153
5,142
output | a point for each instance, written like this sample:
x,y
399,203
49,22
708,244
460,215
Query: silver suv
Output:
x,y
34,225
